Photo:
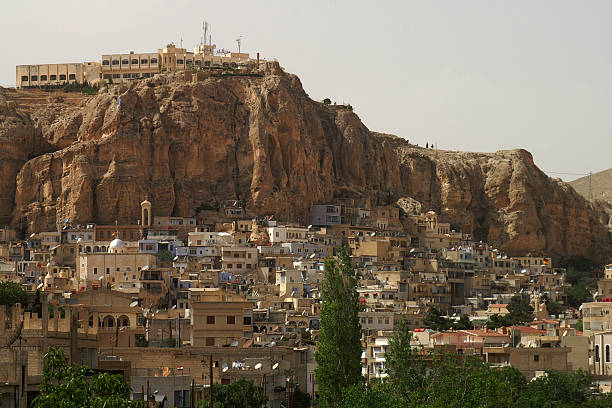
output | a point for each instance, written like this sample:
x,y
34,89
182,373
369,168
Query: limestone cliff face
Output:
x,y
262,140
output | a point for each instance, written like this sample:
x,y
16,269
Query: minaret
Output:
x,y
145,207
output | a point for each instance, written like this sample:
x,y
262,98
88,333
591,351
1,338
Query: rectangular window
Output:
x,y
105,62
34,77
43,77
536,357
95,271
144,61
210,319
179,61
72,77
62,77
126,75
54,77
115,62
125,62
247,320
134,62
24,78
116,75
108,271
239,266
153,60
231,319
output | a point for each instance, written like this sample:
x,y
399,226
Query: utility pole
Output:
x,y
211,381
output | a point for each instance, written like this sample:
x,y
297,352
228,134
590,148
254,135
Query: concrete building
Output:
x,y
219,318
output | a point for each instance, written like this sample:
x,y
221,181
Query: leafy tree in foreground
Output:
x,y
68,386
239,394
12,293
338,353
434,320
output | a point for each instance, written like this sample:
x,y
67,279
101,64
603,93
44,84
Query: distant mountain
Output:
x,y
601,184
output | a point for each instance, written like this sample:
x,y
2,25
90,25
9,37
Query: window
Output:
x,y
247,320
62,77
536,357
232,320
125,62
24,78
210,319
54,77
179,61
144,61
116,76
189,61
43,77
126,75
108,271
72,77
34,77
607,353
597,353
134,62
153,60
107,76
229,266
239,266
95,271
198,62
210,341
105,62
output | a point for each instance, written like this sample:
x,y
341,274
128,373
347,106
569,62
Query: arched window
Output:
x,y
91,321
597,353
607,353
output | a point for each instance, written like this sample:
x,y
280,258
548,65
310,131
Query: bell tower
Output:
x,y
145,208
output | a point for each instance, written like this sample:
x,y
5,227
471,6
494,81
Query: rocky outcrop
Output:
x,y
189,145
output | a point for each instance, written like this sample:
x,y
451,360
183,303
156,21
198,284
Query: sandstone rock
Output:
x,y
263,141
409,205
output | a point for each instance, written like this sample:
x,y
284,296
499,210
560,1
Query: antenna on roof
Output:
x,y
239,41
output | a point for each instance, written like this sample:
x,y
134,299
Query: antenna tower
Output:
x,y
239,41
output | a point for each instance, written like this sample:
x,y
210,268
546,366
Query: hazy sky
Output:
x,y
468,75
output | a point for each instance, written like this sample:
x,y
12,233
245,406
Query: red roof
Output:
x,y
528,330
498,305
482,333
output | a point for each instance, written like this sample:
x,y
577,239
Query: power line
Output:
x,y
590,174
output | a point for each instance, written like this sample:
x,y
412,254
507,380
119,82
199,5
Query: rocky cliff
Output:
x,y
189,144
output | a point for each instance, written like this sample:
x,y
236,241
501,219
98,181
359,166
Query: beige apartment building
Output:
x,y
123,67
57,74
219,318
596,317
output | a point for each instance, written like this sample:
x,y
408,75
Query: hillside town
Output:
x,y
175,303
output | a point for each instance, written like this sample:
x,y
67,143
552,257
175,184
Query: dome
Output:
x,y
116,244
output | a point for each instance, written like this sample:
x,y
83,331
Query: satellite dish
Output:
x,y
40,285
313,255
32,235
272,344
257,366
225,367
101,277
234,343
173,307
275,366
176,258
310,226
134,303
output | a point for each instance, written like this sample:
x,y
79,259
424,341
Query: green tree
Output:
x,y
239,394
69,386
464,323
164,255
12,293
300,399
434,320
557,389
406,369
327,101
578,294
338,353
520,311
553,308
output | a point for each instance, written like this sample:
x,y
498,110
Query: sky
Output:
x,y
473,75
